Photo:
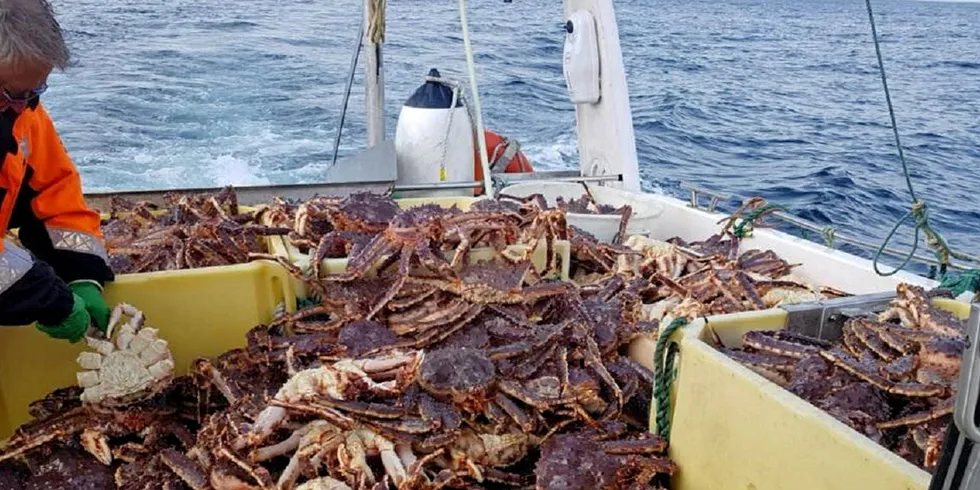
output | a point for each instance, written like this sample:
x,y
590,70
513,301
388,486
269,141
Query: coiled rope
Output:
x,y
663,375
919,210
376,21
743,228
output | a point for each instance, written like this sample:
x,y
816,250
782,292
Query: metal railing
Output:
x,y
718,197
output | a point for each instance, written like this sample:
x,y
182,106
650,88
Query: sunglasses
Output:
x,y
20,102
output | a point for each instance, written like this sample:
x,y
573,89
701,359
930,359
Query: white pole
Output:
x,y
475,95
606,143
374,83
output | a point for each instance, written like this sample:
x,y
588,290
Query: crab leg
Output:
x,y
943,408
647,445
522,419
186,469
855,367
259,474
403,270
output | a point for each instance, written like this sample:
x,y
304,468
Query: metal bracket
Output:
x,y
825,319
968,391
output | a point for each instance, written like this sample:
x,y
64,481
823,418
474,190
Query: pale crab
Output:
x,y
324,483
663,257
132,366
341,380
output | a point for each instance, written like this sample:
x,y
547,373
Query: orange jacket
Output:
x,y
503,155
41,195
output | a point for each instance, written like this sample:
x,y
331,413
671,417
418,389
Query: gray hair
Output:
x,y
29,33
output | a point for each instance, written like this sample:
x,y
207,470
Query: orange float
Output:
x,y
503,155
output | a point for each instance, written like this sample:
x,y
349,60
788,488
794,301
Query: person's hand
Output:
x,y
95,304
72,328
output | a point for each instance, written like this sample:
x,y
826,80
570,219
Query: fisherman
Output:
x,y
59,283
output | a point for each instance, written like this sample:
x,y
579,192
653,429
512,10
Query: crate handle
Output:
x,y
281,286
969,383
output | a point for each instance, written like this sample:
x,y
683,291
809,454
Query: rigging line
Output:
x,y
888,99
919,210
475,93
347,89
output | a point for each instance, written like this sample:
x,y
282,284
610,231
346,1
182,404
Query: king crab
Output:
x,y
133,366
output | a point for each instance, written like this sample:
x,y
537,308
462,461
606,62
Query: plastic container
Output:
x,y
603,227
200,312
732,428
273,244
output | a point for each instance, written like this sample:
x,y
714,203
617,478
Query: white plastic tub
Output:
x,y
604,227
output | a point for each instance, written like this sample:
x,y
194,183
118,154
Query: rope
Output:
x,y
347,88
376,21
743,228
919,210
828,234
449,123
475,93
663,377
963,282
301,303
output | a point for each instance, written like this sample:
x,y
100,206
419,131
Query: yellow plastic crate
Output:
x,y
732,428
201,312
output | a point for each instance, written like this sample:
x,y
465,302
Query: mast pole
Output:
x,y
374,88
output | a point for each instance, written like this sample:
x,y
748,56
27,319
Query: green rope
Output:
x,y
933,239
919,212
963,282
663,363
743,228
828,233
303,303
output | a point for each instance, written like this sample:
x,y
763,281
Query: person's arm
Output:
x,y
29,291
55,223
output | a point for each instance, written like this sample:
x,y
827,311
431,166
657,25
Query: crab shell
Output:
x,y
133,366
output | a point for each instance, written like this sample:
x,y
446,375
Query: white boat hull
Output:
x,y
820,265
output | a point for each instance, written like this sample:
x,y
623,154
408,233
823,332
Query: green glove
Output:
x,y
72,328
95,304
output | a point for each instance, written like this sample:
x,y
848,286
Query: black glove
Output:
x,y
38,296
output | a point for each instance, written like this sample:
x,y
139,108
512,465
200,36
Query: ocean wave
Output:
x,y
778,98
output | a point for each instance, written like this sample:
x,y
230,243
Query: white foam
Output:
x,y
552,154
230,170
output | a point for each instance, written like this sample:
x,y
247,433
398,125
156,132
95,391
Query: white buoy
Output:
x,y
434,140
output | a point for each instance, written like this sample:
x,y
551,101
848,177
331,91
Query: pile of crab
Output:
x,y
499,384
891,377
421,367
705,277
365,227
187,232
